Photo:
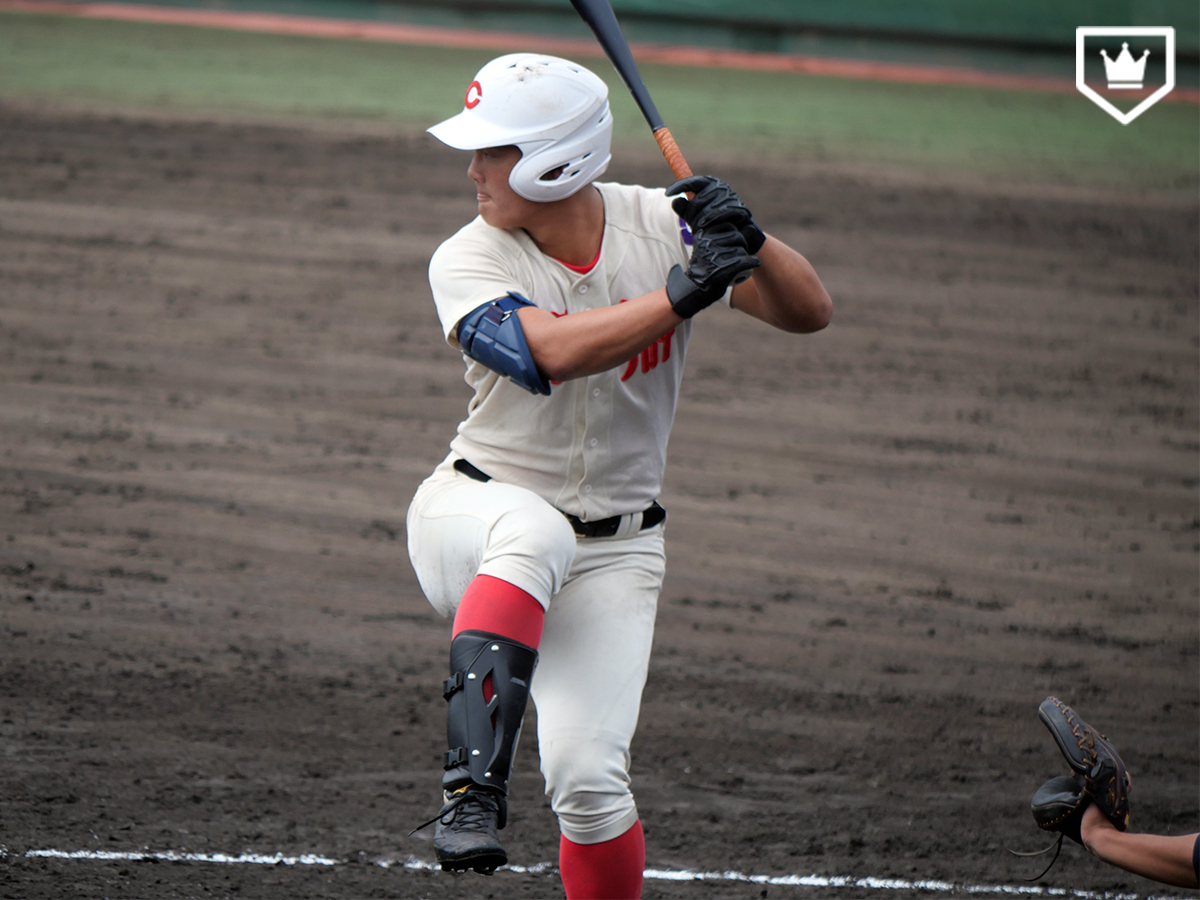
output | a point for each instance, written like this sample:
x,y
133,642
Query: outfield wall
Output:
x,y
1036,36
1028,23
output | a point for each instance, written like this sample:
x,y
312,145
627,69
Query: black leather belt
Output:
x,y
598,529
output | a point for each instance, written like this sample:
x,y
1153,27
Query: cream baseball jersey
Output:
x,y
596,447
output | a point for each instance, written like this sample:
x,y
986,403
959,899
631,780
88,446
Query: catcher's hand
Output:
x,y
1093,759
1058,806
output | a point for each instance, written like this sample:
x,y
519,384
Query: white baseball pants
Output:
x,y
600,595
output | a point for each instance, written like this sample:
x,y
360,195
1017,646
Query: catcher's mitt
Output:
x,y
1058,806
1093,759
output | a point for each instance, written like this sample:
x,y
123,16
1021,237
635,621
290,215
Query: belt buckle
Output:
x,y
605,527
601,528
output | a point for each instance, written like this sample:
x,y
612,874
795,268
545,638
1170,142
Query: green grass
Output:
x,y
1015,135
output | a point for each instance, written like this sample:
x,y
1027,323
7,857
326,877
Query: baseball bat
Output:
x,y
599,16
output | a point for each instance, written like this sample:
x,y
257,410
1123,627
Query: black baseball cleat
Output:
x,y
465,836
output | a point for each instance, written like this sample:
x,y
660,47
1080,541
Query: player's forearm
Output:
x,y
1166,858
1161,857
595,340
785,291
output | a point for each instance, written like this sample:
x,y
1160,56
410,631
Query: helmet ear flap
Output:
x,y
567,171
578,159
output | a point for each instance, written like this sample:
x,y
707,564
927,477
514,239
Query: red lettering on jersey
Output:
x,y
650,357
470,103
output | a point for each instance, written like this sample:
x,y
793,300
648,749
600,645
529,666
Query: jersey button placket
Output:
x,y
594,418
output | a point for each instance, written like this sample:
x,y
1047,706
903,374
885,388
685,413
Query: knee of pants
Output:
x,y
458,529
532,547
587,781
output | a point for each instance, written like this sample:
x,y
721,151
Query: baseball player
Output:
x,y
572,303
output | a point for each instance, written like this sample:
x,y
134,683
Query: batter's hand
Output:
x,y
715,203
719,259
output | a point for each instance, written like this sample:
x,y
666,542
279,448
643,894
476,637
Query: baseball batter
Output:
x,y
572,303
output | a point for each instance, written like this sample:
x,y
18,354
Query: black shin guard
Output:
x,y
482,733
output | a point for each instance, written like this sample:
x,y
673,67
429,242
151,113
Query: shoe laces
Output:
x,y
470,807
1056,847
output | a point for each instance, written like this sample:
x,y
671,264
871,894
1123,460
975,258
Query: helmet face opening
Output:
x,y
555,111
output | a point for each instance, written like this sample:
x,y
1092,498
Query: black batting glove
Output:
x,y
719,259
715,203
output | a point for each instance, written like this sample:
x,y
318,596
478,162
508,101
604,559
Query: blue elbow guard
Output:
x,y
491,334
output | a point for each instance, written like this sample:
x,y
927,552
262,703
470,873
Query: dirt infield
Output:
x,y
221,379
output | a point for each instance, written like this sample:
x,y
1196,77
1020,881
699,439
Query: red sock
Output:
x,y
498,607
608,871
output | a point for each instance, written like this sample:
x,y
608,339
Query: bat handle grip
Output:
x,y
671,153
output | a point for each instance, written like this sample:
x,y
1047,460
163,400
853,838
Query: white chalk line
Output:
x,y
545,868
258,859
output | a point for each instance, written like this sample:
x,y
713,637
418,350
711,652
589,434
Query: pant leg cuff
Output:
x,y
603,833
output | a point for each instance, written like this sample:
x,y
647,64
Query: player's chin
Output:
x,y
494,216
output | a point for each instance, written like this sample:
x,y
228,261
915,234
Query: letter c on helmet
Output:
x,y
468,101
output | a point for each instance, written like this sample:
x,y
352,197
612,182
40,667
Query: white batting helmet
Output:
x,y
554,111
